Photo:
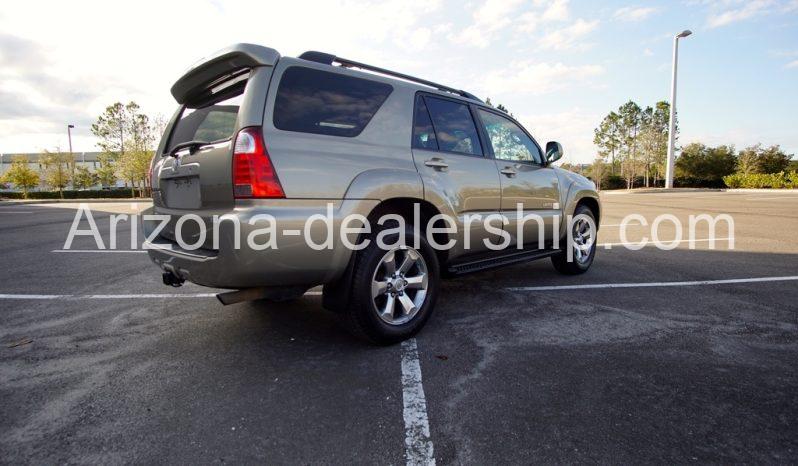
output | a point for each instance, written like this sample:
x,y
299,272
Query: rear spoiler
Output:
x,y
219,66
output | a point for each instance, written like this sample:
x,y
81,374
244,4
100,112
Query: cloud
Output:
x,y
792,64
54,72
554,12
749,9
629,13
537,78
29,89
569,37
488,20
648,53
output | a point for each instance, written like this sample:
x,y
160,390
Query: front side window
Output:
x,y
320,102
508,140
454,126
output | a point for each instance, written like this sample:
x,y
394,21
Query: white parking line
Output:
x,y
652,284
147,296
602,245
33,296
418,445
123,296
108,296
663,241
139,251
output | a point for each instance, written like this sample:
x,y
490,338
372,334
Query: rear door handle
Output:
x,y
509,171
437,164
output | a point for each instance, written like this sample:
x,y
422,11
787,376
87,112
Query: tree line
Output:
x,y
633,150
633,142
126,137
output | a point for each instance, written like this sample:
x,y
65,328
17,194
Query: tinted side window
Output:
x,y
509,142
423,133
454,127
320,102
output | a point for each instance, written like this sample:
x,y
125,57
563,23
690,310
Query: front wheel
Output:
x,y
583,248
393,290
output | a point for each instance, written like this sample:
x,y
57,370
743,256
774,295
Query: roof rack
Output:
x,y
329,59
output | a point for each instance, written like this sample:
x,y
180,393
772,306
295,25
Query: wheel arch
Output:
x,y
337,294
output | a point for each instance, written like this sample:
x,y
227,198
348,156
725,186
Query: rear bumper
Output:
x,y
292,262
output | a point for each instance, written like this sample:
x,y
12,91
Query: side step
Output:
x,y
500,261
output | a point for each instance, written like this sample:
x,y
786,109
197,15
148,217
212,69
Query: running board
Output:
x,y
493,262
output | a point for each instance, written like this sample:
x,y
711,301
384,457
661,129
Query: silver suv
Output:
x,y
294,149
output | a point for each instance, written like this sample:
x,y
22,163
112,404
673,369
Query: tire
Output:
x,y
576,266
362,314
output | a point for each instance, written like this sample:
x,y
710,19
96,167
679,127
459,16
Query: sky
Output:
x,y
559,66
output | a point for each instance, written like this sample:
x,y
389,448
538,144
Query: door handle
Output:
x,y
437,164
509,171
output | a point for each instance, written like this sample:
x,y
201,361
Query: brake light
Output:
x,y
253,172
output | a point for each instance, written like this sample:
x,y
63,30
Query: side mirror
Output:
x,y
554,152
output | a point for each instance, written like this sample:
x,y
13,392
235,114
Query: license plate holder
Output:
x,y
182,192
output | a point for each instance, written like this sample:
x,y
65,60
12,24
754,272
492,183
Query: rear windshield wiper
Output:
x,y
192,147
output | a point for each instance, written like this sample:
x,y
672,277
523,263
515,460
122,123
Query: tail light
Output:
x,y
253,172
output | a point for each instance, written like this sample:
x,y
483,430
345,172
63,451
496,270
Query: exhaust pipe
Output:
x,y
171,279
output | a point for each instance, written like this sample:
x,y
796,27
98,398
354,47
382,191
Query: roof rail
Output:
x,y
329,59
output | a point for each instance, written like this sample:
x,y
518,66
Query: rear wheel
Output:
x,y
393,290
583,246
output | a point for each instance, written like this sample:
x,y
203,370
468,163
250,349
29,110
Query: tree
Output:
x,y
773,160
57,168
597,171
498,107
748,160
110,129
83,178
106,172
127,138
608,138
21,175
756,159
134,164
631,120
654,139
635,139
707,165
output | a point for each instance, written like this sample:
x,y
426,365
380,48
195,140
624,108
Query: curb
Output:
x,y
695,190
65,201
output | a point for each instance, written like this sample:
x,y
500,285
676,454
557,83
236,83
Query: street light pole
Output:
x,y
69,134
672,123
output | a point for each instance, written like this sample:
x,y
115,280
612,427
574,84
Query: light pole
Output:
x,y
69,134
672,123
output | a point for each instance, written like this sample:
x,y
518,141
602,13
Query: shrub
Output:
x,y
783,180
123,193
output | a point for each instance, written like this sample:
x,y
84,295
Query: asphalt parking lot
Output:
x,y
518,365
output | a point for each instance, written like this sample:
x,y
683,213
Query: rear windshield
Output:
x,y
212,118
320,102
